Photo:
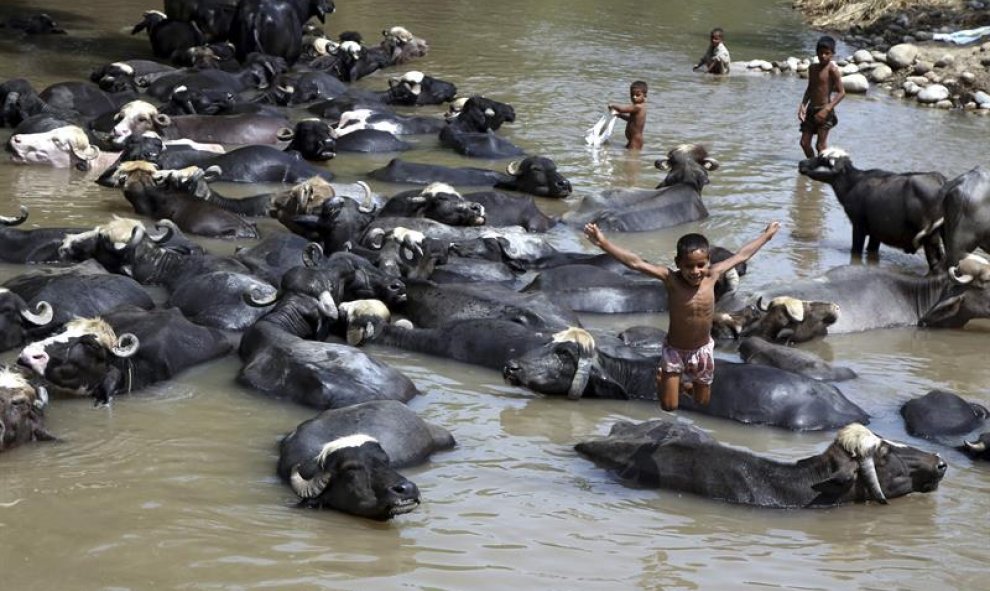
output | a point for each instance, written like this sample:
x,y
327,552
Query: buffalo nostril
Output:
x,y
406,489
941,466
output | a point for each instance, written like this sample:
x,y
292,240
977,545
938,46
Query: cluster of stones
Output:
x,y
935,84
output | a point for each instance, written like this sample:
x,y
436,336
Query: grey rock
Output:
x,y
968,77
946,60
908,39
981,98
933,94
881,72
921,68
849,69
855,83
902,55
879,56
944,104
919,80
924,35
862,56
910,88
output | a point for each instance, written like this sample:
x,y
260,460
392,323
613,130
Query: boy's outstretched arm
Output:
x,y
747,251
626,257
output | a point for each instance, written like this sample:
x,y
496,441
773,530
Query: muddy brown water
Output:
x,y
175,487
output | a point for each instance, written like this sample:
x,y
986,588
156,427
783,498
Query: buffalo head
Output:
x,y
827,166
562,366
536,175
687,164
313,138
21,410
353,474
86,358
966,296
62,147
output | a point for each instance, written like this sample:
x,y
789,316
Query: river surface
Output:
x,y
175,487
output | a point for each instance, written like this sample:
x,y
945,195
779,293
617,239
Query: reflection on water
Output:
x,y
175,488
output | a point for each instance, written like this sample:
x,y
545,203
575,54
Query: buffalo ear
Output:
x,y
837,484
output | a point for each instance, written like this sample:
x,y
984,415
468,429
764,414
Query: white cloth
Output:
x,y
963,37
599,133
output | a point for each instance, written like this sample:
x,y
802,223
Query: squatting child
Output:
x,y
716,59
688,349
633,114
817,110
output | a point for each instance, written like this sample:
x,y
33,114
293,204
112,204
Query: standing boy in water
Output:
x,y
716,59
817,110
688,348
634,115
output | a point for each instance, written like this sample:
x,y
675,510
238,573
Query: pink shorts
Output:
x,y
697,364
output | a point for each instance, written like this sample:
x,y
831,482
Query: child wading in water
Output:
x,y
688,348
817,110
634,115
716,59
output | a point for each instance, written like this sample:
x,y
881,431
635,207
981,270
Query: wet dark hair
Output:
x,y
825,42
689,243
638,85
717,30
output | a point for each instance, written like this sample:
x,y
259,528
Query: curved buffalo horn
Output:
x,y
165,227
285,134
513,167
212,173
42,400
581,376
312,487
327,306
868,470
312,255
662,164
368,203
162,120
375,238
731,279
710,164
137,235
259,299
413,245
975,446
926,231
16,220
761,306
127,345
43,315
963,279
489,112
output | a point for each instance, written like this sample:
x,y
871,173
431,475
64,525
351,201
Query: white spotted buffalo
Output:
x,y
122,351
857,467
22,406
873,297
137,117
902,210
573,364
346,459
675,201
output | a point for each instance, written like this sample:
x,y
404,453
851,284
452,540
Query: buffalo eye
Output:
x,y
118,117
19,400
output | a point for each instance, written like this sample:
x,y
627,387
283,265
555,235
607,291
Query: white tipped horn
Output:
x,y
127,345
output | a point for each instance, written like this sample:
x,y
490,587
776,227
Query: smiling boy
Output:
x,y
688,349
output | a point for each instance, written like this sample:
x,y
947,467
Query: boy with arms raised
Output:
x,y
688,349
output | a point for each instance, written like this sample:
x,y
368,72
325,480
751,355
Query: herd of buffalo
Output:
x,y
479,277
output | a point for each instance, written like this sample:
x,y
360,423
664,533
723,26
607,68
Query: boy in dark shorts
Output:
x,y
817,110
688,348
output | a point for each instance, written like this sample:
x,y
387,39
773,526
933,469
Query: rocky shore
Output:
x,y
901,52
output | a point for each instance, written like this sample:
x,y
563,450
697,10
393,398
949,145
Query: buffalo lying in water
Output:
x,y
857,467
345,459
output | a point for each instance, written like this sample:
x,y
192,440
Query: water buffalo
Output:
x,y
168,37
472,131
944,417
873,297
436,201
122,351
416,88
386,121
857,467
782,319
82,290
966,200
536,175
902,210
16,318
345,459
40,245
504,209
758,350
172,195
280,360
274,27
63,147
677,200
573,364
137,117
22,406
